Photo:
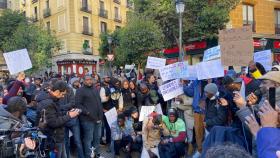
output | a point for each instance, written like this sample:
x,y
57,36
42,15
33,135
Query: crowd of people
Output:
x,y
233,116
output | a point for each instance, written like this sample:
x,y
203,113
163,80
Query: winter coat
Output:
x,y
8,121
127,98
268,142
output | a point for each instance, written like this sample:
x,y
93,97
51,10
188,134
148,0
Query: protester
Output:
x,y
174,145
122,135
127,95
55,119
88,100
227,151
134,90
153,130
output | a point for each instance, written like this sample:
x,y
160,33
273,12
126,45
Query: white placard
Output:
x,y
192,72
210,69
111,116
155,63
159,109
171,89
18,61
174,71
212,53
145,111
265,58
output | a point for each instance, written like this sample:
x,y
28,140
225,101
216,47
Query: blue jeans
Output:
x,y
77,139
92,134
60,147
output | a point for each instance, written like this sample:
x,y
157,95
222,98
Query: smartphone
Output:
x,y
271,97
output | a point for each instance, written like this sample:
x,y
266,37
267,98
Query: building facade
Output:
x,y
78,24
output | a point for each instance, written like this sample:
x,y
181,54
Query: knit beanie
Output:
x,y
211,88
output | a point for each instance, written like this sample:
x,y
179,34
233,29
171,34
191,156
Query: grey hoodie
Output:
x,y
9,122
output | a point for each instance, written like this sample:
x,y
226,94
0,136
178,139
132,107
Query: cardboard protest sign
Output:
x,y
192,72
212,53
236,46
145,111
17,61
171,89
174,71
265,58
210,69
155,63
111,116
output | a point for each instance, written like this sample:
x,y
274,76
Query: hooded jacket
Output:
x,y
9,122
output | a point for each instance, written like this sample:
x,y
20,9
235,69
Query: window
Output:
x,y
277,21
35,13
84,4
102,6
3,4
103,27
116,12
85,24
248,15
48,24
47,4
61,23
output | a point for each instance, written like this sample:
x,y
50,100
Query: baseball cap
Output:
x,y
272,75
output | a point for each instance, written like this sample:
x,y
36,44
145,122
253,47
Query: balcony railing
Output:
x,y
34,1
87,32
103,13
248,23
85,9
117,1
47,12
118,19
3,5
277,29
87,51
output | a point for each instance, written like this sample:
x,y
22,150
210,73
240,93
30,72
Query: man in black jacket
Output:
x,y
55,118
88,99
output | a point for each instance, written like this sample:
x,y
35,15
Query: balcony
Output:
x,y
250,23
47,12
118,19
103,13
277,29
3,5
85,9
87,51
117,1
34,1
87,32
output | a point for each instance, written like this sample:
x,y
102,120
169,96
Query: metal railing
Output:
x,y
47,12
87,51
103,13
118,19
85,9
87,32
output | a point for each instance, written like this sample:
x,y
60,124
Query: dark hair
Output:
x,y
121,116
53,81
227,150
60,85
16,104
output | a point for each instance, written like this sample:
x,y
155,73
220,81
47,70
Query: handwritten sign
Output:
x,y
192,72
265,58
236,46
111,116
174,71
155,63
212,53
171,89
17,61
210,69
145,111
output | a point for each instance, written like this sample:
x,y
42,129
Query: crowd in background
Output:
x,y
233,115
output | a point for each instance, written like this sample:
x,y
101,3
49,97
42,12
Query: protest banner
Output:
x,y
145,111
212,53
209,69
236,46
17,61
171,89
155,63
265,58
174,71
111,116
192,72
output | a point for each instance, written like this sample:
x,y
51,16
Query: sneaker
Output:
x,y
197,155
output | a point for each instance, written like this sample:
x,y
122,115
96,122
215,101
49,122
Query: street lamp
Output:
x,y
180,7
110,55
263,43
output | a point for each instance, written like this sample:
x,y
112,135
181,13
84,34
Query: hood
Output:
x,y
5,113
43,95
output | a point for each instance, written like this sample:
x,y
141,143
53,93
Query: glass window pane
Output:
x,y
250,13
244,12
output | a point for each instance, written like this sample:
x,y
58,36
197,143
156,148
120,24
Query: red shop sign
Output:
x,y
196,45
276,44
257,43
